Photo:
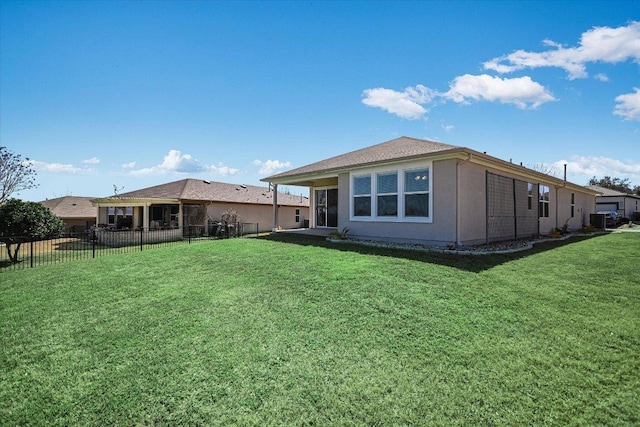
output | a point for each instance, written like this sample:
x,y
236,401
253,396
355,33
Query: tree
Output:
x,y
15,174
612,183
24,221
545,168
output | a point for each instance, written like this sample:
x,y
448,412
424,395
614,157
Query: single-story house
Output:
x,y
624,204
418,191
77,213
196,202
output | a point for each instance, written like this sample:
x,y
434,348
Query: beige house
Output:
x,y
194,202
77,213
418,191
624,204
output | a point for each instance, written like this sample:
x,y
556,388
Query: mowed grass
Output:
x,y
291,330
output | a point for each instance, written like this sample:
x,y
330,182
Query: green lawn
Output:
x,y
290,330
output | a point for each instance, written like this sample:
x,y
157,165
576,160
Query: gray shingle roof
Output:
x,y
71,207
609,192
402,148
211,191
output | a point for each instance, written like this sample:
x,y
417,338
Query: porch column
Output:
x,y
145,216
275,207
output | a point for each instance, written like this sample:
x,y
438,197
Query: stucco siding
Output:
x,y
440,231
260,214
583,206
472,212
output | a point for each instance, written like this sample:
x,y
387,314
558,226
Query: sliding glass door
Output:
x,y
326,207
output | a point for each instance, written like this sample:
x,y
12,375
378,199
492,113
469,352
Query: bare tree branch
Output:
x,y
15,174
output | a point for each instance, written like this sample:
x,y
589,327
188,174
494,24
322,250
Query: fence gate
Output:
x,y
512,208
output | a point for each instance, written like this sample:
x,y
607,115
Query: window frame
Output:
x,y
386,195
401,193
573,205
544,199
353,195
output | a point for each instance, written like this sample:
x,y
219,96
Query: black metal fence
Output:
x,y
102,241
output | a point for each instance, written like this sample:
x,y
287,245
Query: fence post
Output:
x,y
189,228
31,250
141,238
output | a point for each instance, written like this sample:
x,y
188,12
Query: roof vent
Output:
x,y
206,182
243,186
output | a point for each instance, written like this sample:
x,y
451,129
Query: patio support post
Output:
x,y
145,216
275,207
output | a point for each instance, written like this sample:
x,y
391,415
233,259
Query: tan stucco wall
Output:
x,y
584,206
459,208
440,231
472,212
260,214
78,224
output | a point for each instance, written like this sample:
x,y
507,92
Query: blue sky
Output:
x,y
140,93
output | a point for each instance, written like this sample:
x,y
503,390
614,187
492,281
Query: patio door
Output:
x,y
326,207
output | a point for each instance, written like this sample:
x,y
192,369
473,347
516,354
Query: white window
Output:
x,y
543,205
362,196
416,193
573,205
297,215
387,194
400,195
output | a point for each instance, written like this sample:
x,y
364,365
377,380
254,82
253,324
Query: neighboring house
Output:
x,y
412,190
195,202
77,213
624,204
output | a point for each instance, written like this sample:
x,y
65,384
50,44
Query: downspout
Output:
x,y
564,185
275,207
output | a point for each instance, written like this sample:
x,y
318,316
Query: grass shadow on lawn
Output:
x,y
472,263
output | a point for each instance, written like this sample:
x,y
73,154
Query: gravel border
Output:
x,y
495,248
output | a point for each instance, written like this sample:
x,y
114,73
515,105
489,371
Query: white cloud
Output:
x,y
177,163
629,105
130,165
222,170
406,104
268,167
59,168
522,92
600,44
91,161
600,167
601,77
